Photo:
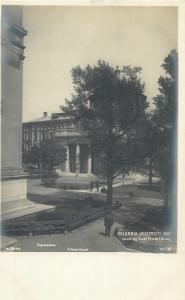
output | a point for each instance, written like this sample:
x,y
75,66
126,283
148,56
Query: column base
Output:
x,y
21,208
14,202
13,189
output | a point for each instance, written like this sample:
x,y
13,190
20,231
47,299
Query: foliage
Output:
x,y
166,101
33,157
165,117
49,177
109,104
47,155
150,139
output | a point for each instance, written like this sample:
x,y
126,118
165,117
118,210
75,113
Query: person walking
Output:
x,y
108,222
91,185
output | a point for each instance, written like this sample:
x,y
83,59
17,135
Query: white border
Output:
x,y
99,276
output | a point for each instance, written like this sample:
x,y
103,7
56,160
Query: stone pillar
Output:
x,y
32,138
39,138
77,158
67,169
14,202
13,185
89,164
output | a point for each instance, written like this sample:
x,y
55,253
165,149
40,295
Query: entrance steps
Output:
x,y
78,175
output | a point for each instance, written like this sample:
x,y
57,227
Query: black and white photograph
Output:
x,y
89,102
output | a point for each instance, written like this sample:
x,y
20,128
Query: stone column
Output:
x,y
38,136
32,137
89,164
14,203
67,169
77,158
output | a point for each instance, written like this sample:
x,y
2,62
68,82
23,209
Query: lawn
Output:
x,y
59,219
145,212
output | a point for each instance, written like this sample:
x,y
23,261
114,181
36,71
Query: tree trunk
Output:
x,y
164,190
150,173
109,191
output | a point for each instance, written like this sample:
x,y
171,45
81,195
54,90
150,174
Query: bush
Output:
x,y
103,190
49,178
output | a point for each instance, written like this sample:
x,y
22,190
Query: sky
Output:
x,y
60,38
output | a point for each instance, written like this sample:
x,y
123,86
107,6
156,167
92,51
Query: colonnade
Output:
x,y
77,157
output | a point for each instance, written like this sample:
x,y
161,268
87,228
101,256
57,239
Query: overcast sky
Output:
x,y
60,38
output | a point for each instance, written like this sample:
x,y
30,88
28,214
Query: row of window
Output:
x,y
36,136
27,147
28,144
48,126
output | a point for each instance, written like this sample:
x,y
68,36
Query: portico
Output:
x,y
78,158
66,132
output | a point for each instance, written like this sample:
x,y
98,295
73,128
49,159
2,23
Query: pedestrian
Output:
x,y
97,186
91,186
108,222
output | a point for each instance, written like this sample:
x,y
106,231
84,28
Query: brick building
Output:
x,y
66,132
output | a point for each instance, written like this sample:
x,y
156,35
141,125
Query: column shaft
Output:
x,y
67,169
77,158
89,163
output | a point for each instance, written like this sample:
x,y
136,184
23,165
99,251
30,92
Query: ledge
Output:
x,y
11,174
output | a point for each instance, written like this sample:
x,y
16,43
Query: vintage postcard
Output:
x,y
92,150
89,128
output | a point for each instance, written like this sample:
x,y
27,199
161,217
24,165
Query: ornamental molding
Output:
x,y
12,38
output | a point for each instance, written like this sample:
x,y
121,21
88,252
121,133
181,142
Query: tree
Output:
x,y
165,116
47,155
33,157
150,140
109,104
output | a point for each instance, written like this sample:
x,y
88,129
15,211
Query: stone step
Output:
x,y
70,174
24,208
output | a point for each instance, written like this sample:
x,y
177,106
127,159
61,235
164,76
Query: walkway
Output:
x,y
91,236
87,238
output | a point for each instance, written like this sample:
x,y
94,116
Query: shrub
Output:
x,y
103,190
49,178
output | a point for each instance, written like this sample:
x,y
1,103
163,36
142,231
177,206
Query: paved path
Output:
x,y
90,237
87,238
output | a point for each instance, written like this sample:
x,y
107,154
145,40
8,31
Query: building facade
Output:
x,y
67,133
13,185
14,202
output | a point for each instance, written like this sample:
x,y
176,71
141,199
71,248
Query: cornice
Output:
x,y
20,30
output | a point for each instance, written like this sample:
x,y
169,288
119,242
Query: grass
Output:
x,y
59,219
138,191
75,212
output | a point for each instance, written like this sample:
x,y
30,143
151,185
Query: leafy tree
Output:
x,y
47,155
165,116
33,157
150,140
109,104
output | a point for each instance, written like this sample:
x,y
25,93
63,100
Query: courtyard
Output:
x,y
75,221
